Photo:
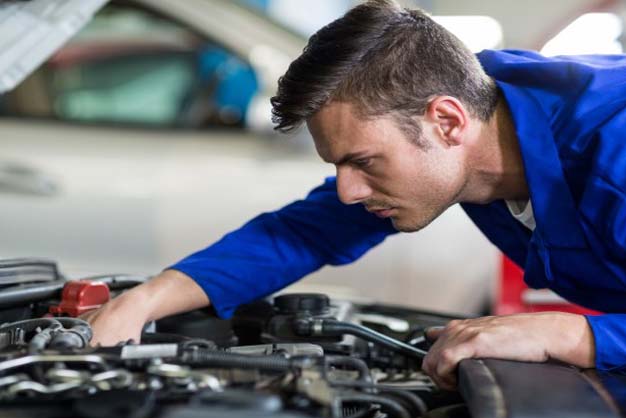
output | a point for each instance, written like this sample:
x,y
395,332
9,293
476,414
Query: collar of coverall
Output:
x,y
553,205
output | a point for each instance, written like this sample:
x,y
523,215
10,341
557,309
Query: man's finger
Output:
x,y
432,333
448,361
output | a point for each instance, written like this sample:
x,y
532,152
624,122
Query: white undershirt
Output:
x,y
522,210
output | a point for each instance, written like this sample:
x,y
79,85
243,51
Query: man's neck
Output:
x,y
496,168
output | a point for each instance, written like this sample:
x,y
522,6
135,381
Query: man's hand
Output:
x,y
123,318
533,337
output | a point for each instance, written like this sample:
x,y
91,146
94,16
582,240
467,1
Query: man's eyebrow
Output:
x,y
348,157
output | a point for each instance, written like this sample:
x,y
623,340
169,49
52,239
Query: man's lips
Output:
x,y
381,213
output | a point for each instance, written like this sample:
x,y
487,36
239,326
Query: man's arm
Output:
x,y
278,248
268,253
123,318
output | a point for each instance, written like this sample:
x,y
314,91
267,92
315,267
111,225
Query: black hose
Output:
x,y
418,403
20,295
119,281
76,333
380,386
390,406
221,359
332,327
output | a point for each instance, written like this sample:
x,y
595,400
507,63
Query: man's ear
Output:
x,y
450,119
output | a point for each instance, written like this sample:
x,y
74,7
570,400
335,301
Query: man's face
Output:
x,y
378,166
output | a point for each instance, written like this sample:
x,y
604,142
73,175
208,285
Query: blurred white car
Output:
x,y
148,136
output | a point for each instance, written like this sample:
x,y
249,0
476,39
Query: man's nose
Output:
x,y
351,187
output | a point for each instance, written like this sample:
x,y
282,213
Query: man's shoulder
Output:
x,y
494,60
498,58
578,95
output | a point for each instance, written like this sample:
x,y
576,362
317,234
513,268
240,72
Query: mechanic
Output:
x,y
531,147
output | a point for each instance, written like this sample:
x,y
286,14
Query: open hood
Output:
x,y
33,30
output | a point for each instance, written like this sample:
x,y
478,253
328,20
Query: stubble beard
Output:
x,y
414,225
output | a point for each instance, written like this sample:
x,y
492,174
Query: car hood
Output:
x,y
33,30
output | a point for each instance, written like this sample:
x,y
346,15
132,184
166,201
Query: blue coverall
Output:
x,y
570,119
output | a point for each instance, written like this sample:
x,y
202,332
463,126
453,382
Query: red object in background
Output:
x,y
513,296
80,296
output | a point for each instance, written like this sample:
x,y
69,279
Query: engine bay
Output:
x,y
293,355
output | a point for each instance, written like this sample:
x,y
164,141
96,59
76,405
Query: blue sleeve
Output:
x,y
603,209
275,249
609,333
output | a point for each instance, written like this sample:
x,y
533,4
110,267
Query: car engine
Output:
x,y
296,355
293,355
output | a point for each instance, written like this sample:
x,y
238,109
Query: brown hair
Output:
x,y
387,61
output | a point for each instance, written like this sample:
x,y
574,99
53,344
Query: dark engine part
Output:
x,y
308,316
292,308
39,334
314,304
201,324
28,270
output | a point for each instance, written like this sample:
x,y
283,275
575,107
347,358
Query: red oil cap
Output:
x,y
80,296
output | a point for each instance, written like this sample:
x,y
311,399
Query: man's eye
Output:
x,y
362,162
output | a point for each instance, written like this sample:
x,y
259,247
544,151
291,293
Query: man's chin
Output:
x,y
406,226
402,224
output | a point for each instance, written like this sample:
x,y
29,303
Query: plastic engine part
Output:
x,y
80,296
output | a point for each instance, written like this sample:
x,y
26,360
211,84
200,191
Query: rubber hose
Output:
x,y
220,359
416,402
331,327
390,406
